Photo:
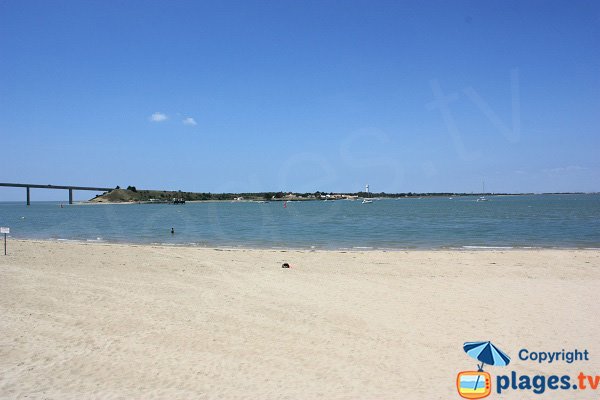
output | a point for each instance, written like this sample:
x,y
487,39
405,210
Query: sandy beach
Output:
x,y
162,322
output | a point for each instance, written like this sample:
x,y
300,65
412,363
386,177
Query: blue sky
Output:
x,y
300,95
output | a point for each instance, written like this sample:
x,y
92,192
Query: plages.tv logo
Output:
x,y
478,384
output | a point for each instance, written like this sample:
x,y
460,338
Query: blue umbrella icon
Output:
x,y
487,353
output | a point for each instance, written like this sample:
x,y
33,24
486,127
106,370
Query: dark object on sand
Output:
x,y
285,265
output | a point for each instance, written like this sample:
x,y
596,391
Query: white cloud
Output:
x,y
189,121
158,117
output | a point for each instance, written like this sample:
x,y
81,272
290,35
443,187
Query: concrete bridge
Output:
x,y
28,186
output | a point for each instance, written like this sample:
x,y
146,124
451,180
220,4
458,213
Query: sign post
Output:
x,y
5,231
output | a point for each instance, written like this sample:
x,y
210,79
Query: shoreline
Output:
x,y
414,197
304,249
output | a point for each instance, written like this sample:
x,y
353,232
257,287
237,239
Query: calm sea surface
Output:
x,y
503,221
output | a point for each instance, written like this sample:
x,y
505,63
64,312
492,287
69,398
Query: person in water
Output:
x,y
172,231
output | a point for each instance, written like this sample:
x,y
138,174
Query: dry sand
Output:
x,y
143,322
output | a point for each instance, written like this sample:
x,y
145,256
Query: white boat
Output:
x,y
482,197
367,201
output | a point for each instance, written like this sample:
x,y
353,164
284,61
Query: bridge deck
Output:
x,y
36,186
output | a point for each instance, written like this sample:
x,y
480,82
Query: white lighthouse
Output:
x,y
366,200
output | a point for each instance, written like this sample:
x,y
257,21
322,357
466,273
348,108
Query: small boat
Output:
x,y
367,201
482,197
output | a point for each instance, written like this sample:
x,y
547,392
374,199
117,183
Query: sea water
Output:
x,y
563,221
